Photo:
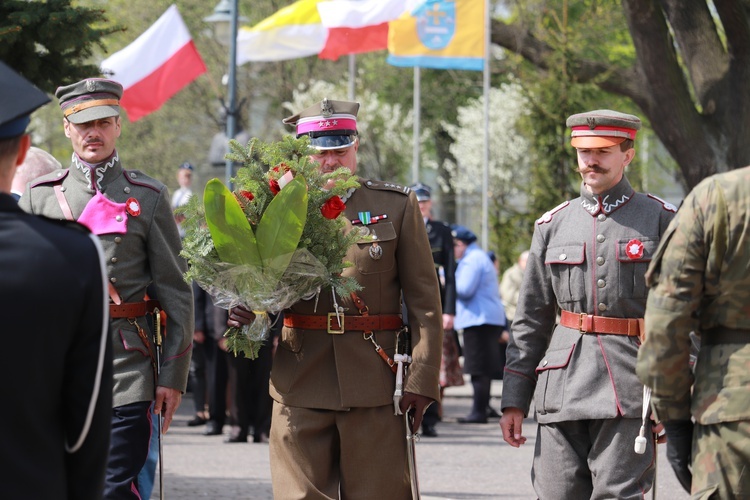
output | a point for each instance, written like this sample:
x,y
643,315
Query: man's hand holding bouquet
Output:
x,y
276,239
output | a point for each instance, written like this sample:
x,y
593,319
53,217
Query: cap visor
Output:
x,y
95,113
594,142
326,142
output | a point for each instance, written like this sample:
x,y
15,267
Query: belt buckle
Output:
x,y
583,327
335,331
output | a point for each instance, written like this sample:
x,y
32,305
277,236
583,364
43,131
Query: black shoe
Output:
x,y
212,428
492,413
472,420
429,431
236,438
197,420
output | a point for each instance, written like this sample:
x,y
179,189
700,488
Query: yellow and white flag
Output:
x,y
292,32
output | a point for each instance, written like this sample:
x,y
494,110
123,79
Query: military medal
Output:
x,y
366,219
634,249
376,251
133,207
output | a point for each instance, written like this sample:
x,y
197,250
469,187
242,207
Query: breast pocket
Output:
x,y
551,376
633,258
376,250
567,266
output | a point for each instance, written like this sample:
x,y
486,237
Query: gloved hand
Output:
x,y
679,449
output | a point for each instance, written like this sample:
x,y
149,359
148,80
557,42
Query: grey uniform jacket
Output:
x,y
147,252
587,256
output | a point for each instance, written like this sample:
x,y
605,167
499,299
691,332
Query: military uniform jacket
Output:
x,y
587,256
56,361
315,369
701,283
146,252
441,244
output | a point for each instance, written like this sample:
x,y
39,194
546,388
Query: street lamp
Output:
x,y
225,22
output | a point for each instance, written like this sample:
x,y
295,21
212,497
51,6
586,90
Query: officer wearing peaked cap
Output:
x,y
131,214
55,432
588,258
333,394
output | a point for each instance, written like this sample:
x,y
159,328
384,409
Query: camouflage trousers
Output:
x,y
721,461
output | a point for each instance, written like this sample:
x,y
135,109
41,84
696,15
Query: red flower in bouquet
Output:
x,y
332,208
247,195
274,185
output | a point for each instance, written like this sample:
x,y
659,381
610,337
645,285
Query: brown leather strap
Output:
x,y
63,202
330,323
90,104
133,309
588,323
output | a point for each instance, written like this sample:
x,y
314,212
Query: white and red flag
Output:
x,y
157,65
360,26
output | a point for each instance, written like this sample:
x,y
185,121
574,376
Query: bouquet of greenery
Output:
x,y
276,239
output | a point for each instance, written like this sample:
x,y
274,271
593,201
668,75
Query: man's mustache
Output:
x,y
591,168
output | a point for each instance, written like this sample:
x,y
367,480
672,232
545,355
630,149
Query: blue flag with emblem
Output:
x,y
440,34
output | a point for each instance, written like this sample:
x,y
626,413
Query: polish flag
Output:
x,y
355,26
157,65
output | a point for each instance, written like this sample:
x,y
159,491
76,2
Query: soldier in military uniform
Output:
x,y
56,361
441,244
588,258
333,432
131,214
700,282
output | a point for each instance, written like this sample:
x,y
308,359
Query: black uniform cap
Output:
x,y
18,99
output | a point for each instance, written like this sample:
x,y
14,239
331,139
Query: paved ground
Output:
x,y
463,462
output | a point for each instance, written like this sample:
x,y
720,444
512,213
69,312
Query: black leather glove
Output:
x,y
679,449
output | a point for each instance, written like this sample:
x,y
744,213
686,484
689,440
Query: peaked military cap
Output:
x,y
90,99
18,99
602,128
186,166
329,124
422,191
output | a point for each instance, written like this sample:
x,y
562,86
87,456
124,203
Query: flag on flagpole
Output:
x,y
157,65
355,26
442,34
292,32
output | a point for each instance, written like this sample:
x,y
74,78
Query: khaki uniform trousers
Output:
x,y
357,454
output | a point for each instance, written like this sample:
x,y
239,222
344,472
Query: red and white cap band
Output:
x,y
326,124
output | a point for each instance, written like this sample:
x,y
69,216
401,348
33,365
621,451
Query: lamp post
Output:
x,y
225,22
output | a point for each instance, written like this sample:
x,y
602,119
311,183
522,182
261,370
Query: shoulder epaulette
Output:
x,y
56,179
667,206
548,215
386,186
138,178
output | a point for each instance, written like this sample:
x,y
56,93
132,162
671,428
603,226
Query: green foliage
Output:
x,y
51,42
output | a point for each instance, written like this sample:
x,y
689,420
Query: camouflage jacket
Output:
x,y
700,282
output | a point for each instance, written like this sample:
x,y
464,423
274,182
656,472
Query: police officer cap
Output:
x,y
422,191
464,234
90,99
329,124
601,128
186,166
18,99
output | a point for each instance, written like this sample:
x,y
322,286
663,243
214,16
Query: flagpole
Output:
x,y
417,117
232,107
352,69
486,155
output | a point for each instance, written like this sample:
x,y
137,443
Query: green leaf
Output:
x,y
280,229
233,237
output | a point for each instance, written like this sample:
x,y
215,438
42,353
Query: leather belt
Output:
x,y
723,335
330,323
588,323
133,309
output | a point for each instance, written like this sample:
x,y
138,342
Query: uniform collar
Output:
x,y
8,204
609,201
101,173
